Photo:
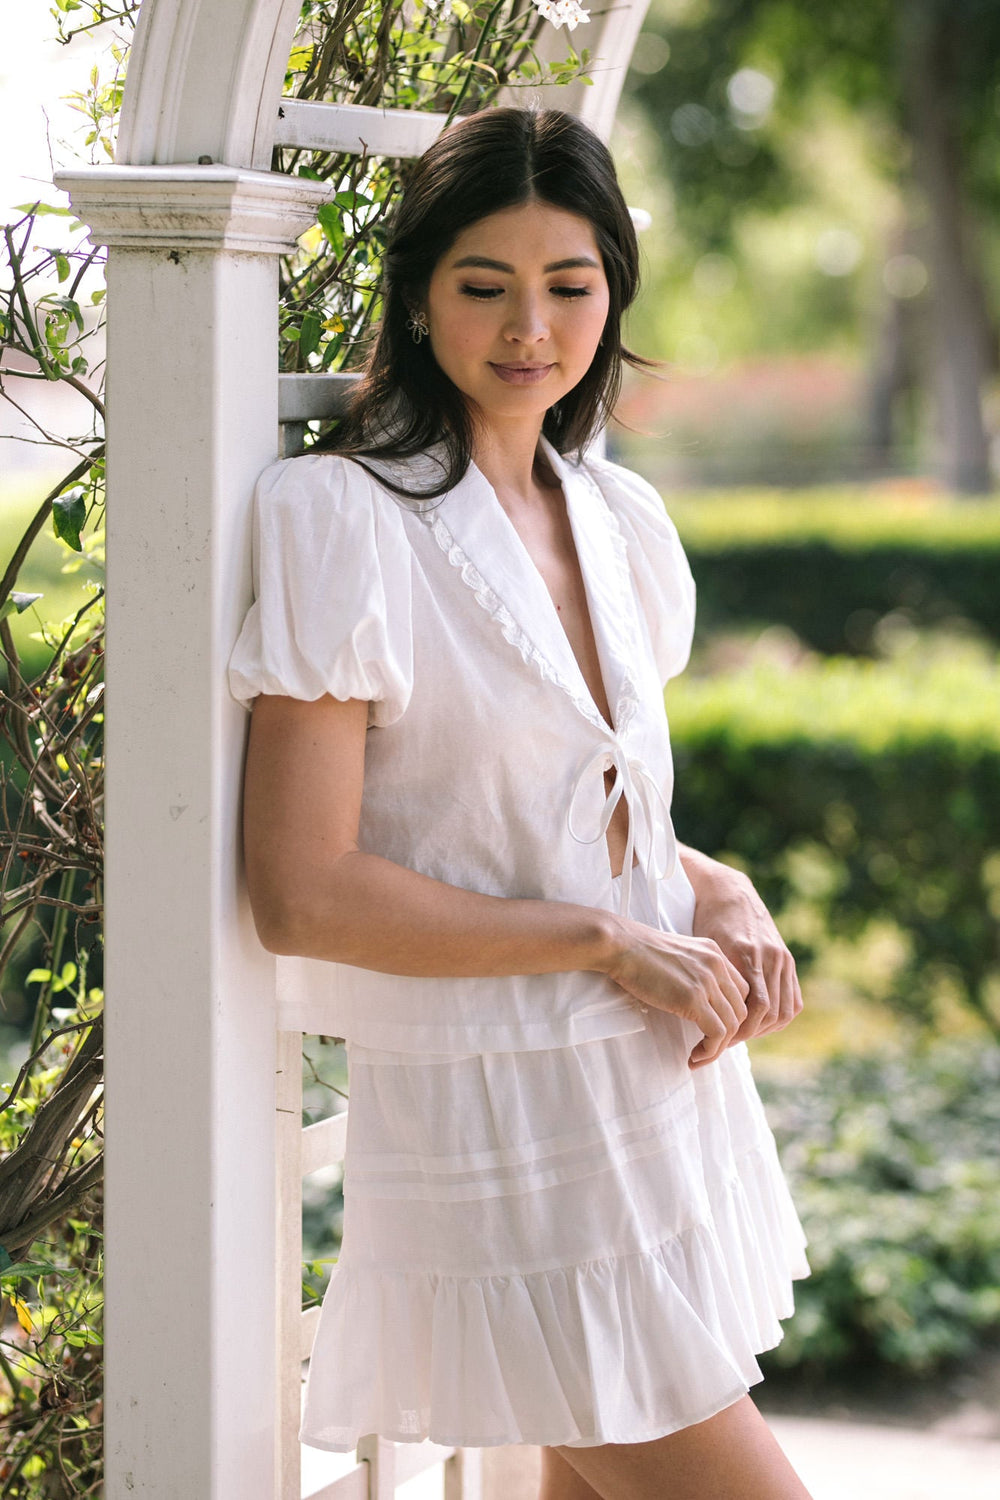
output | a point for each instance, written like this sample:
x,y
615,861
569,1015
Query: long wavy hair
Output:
x,y
404,403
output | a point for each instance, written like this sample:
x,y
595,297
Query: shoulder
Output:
x,y
660,574
332,590
630,496
320,497
400,484
320,480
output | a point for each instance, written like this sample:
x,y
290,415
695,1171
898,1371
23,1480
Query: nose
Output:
x,y
527,323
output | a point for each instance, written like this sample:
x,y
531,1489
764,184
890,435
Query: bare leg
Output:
x,y
560,1481
732,1456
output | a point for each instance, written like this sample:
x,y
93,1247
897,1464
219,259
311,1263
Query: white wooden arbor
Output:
x,y
202,1334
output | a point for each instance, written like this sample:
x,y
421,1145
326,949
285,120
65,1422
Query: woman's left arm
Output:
x,y
729,910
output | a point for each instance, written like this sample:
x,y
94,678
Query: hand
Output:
x,y
730,911
688,977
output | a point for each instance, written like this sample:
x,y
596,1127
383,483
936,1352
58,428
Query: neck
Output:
x,y
507,457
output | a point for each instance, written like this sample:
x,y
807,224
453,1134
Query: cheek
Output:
x,y
589,326
459,333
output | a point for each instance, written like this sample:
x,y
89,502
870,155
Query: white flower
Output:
x,y
562,12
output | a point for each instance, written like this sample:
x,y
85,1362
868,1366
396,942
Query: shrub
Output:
x,y
867,792
831,565
51,1131
894,1169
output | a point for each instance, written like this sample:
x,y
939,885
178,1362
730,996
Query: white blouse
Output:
x,y
485,754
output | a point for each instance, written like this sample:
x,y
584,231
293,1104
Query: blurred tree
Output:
x,y
738,76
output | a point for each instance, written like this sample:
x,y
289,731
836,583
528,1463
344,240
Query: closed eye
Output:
x,y
490,293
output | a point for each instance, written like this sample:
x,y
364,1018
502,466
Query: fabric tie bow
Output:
x,y
650,828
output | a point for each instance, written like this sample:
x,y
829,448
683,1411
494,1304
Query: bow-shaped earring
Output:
x,y
417,325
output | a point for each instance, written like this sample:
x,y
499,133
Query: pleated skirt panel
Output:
x,y
584,1245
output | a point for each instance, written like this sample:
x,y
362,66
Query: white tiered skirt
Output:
x,y
577,1246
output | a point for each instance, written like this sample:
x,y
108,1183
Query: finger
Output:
x,y
774,968
791,993
738,976
720,996
708,1049
733,984
719,1022
760,1008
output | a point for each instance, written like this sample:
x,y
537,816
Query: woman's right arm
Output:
x,y
316,894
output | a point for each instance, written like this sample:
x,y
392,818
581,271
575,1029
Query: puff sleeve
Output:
x,y
332,585
660,573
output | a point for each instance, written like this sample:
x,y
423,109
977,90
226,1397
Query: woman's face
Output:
x,y
516,309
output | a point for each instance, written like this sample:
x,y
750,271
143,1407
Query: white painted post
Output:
x,y
463,1475
192,399
380,1456
191,1396
288,1251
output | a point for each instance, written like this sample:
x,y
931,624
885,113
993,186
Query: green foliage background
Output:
x,y
892,1161
833,565
862,798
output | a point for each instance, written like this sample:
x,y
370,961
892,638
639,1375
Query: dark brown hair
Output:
x,y
499,159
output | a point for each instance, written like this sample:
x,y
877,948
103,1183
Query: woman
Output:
x,y
564,1220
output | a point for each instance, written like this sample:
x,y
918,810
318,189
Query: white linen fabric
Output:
x,y
485,761
554,1232
583,1245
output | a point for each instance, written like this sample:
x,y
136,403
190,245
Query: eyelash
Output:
x,y
490,294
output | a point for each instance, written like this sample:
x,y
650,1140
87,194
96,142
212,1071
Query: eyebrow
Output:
x,y
483,263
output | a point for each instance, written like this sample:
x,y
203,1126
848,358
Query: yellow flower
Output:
x,y
23,1315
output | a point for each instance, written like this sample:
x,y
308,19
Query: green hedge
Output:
x,y
831,565
894,1169
867,791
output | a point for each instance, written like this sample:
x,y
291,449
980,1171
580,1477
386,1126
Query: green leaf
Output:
x,y
352,201
15,1269
69,512
5,1260
328,216
332,350
18,602
309,334
67,306
81,1337
41,209
62,267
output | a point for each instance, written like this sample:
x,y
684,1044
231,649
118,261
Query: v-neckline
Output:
x,y
564,481
475,533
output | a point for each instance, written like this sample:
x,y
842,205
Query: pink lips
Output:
x,y
521,374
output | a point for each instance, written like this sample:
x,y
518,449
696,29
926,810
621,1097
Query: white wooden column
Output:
x,y
192,400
